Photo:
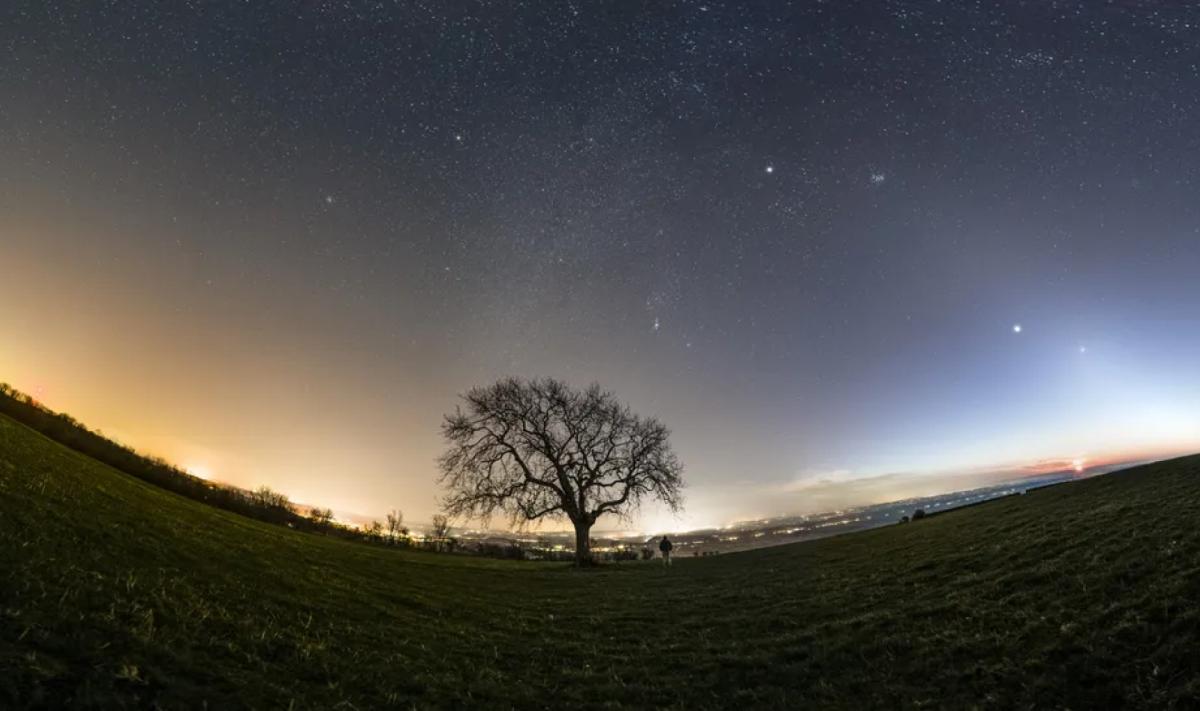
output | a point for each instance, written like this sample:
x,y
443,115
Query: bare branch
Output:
x,y
538,448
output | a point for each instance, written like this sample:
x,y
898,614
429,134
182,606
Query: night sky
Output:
x,y
847,251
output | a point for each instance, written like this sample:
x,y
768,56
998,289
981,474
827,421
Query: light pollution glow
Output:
x,y
229,405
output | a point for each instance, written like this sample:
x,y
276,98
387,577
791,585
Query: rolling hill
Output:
x,y
118,594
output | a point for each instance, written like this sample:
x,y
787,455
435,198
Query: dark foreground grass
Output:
x,y
114,593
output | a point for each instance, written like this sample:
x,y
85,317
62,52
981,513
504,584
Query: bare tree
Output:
x,y
320,516
439,529
268,498
395,523
540,449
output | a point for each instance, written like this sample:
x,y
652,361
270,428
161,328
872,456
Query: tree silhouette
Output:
x,y
267,497
320,516
440,529
540,449
395,524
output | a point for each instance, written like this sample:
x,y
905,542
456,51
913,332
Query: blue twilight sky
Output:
x,y
272,241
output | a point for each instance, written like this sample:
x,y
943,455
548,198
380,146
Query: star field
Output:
x,y
796,231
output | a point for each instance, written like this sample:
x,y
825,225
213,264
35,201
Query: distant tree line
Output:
x,y
264,503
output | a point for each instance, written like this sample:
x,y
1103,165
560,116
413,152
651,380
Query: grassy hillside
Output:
x,y
115,593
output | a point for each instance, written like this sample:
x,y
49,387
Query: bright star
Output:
x,y
1016,328
770,169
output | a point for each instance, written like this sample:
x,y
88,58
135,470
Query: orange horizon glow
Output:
x,y
228,384
912,486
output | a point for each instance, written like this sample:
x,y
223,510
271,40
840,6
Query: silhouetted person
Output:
x,y
665,547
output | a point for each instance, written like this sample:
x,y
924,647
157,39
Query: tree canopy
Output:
x,y
534,449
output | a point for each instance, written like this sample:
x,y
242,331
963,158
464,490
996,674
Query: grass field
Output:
x,y
115,593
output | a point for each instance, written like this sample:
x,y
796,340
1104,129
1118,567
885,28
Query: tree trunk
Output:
x,y
583,544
